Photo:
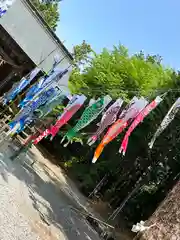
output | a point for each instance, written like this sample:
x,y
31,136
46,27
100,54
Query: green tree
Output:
x,y
122,75
81,54
119,74
49,11
50,1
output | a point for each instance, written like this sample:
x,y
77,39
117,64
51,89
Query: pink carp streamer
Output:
x,y
138,120
130,112
74,105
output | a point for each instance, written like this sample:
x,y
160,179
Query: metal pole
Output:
x,y
97,186
139,182
118,210
91,216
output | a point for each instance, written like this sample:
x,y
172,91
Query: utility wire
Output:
x,y
99,89
30,85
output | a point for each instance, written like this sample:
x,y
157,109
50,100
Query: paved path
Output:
x,y
36,201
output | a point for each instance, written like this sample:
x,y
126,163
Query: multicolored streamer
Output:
x,y
74,105
89,115
44,110
135,108
166,121
129,113
44,82
20,86
26,115
108,118
138,120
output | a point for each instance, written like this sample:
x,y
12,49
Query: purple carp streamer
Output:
x,y
127,115
108,118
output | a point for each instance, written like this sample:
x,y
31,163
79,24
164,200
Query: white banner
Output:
x,y
4,6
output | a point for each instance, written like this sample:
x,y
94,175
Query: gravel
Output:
x,y
13,225
34,204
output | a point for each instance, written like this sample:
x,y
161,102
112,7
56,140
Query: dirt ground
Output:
x,y
43,196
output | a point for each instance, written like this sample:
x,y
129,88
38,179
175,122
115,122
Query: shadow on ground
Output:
x,y
50,195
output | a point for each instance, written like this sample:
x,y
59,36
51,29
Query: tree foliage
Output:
x,y
81,54
49,11
117,73
120,74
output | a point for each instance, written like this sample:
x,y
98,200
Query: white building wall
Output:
x,y
31,35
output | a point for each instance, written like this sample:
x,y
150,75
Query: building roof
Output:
x,y
46,26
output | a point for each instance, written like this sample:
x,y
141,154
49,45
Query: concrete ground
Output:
x,y
36,201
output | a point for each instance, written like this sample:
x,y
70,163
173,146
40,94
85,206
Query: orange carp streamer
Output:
x,y
112,133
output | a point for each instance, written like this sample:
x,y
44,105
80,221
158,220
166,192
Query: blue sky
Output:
x,y
149,25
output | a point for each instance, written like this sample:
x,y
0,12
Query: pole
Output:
x,y
98,186
139,182
91,216
46,57
118,210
